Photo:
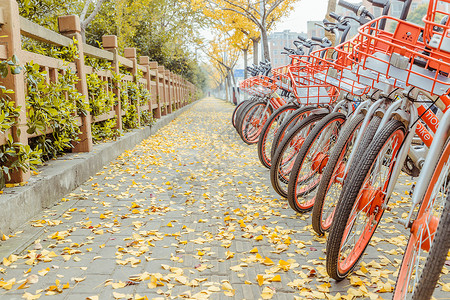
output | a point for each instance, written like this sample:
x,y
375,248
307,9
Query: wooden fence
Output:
x,y
168,90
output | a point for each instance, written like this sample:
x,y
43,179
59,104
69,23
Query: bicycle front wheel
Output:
x,y
330,185
429,241
361,205
253,120
269,130
311,160
287,151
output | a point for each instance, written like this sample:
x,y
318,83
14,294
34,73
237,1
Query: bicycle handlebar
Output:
x,y
379,3
350,6
317,39
335,15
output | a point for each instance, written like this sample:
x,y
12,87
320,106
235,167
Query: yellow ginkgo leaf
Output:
x,y
276,278
268,262
267,293
260,279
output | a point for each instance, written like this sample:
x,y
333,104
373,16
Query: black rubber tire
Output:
x,y
235,112
276,159
436,257
339,150
348,197
265,137
293,119
366,139
248,114
299,164
240,114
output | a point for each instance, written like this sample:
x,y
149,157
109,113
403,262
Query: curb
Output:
x,y
62,175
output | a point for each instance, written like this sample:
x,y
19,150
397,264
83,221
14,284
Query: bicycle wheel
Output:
x,y
429,241
310,161
292,120
269,130
253,120
241,112
235,112
361,204
286,153
333,177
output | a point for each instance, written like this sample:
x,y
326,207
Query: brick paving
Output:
x,y
189,213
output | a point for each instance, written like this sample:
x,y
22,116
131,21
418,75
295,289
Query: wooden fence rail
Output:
x,y
168,91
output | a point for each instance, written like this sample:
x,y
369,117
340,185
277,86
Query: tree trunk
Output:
x,y
255,51
232,77
226,89
265,44
245,63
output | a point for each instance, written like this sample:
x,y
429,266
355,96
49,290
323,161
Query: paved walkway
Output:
x,y
189,213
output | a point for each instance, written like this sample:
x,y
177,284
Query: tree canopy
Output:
x,y
165,30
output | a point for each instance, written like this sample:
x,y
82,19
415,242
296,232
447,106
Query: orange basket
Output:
x,y
334,68
437,35
282,78
258,85
401,56
308,89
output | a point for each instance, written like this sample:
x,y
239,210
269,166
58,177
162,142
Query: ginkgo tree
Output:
x,y
240,31
263,14
223,57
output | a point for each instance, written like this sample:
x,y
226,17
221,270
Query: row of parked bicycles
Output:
x,y
338,125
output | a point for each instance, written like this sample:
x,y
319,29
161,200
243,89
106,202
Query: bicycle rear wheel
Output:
x,y
429,241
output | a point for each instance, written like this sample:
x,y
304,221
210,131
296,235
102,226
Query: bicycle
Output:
x,y
367,190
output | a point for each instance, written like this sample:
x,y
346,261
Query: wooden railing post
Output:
x,y
169,91
179,91
163,95
157,96
145,61
186,92
130,53
110,43
183,91
70,27
10,36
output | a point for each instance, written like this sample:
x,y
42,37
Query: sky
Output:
x,y
304,10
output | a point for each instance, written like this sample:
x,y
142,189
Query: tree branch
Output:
x,y
274,5
93,14
85,9
250,17
246,10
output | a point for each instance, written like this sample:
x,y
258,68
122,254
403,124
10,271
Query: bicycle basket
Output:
x,y
401,55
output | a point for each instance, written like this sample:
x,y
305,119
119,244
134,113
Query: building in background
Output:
x,y
277,42
396,7
314,30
